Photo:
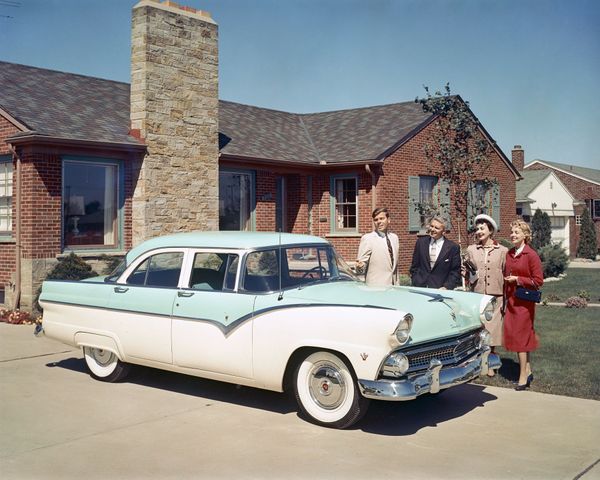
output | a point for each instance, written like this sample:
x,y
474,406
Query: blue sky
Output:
x,y
529,68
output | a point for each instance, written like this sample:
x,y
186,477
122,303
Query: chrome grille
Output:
x,y
449,352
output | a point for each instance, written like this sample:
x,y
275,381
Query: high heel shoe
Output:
x,y
520,388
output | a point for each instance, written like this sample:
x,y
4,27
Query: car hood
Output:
x,y
436,313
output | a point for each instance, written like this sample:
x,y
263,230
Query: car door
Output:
x,y
142,303
212,321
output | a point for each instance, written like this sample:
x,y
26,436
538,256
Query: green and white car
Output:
x,y
272,311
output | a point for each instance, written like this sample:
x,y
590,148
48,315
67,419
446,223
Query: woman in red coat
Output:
x,y
522,268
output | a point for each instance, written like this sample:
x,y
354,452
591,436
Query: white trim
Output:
x,y
573,174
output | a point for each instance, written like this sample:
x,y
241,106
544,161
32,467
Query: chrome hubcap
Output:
x,y
327,387
102,357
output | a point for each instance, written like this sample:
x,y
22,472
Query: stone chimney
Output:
x,y
518,157
174,110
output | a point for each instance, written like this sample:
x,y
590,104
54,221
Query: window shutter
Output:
x,y
496,203
414,217
470,208
444,201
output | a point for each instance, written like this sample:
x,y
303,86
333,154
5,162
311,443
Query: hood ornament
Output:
x,y
364,356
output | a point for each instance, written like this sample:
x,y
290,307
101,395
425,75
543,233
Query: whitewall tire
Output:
x,y
326,391
104,365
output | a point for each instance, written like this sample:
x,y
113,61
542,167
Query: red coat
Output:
x,y
519,334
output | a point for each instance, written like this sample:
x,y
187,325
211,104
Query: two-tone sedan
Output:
x,y
273,311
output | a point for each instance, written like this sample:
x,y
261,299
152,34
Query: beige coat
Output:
x,y
490,281
373,250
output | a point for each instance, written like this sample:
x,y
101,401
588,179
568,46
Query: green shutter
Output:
x,y
470,208
414,217
496,203
444,201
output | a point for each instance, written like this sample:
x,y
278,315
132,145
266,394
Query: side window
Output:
x,y
262,271
160,270
344,201
233,260
208,271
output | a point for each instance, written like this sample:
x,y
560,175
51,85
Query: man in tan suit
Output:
x,y
378,252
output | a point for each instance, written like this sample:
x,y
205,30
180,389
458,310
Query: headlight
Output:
x,y
395,365
488,308
402,332
484,338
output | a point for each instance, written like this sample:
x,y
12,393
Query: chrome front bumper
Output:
x,y
433,380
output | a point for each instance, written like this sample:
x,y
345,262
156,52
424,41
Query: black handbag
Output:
x,y
529,294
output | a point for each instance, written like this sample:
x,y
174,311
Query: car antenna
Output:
x,y
280,297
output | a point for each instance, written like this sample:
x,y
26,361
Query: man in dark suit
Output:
x,y
436,260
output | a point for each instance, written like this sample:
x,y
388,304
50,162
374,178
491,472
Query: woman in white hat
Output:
x,y
488,257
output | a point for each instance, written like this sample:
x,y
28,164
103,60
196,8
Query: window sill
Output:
x,y
344,234
92,253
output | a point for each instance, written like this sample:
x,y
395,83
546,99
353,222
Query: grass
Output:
x,y
577,279
566,361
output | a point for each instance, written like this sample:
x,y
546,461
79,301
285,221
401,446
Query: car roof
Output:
x,y
236,240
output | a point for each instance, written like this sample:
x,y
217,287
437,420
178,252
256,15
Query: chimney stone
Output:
x,y
174,107
518,157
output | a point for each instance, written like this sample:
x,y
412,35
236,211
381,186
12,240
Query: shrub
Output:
x,y
505,242
111,262
541,230
587,248
554,260
584,294
71,267
404,280
576,302
552,297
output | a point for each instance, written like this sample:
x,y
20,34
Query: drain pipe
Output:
x,y
373,187
17,299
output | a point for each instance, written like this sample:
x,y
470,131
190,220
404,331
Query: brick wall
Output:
x,y
582,191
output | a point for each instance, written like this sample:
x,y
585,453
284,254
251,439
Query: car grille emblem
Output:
x,y
364,356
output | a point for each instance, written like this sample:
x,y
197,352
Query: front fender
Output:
x,y
362,334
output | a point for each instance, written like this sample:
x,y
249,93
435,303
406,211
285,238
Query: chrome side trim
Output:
x,y
433,380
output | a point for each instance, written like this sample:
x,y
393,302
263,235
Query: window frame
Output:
x,y
252,174
333,228
595,210
8,160
119,210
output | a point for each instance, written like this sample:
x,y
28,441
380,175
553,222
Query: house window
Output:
x,y
6,186
90,204
483,197
428,196
558,222
578,220
345,204
595,208
236,200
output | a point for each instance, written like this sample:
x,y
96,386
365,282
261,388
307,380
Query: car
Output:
x,y
276,311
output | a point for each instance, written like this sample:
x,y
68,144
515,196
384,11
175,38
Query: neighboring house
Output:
x,y
583,184
542,189
95,166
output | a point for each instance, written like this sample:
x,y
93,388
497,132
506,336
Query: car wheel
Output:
x,y
104,365
326,391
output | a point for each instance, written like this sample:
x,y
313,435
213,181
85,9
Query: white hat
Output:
x,y
487,218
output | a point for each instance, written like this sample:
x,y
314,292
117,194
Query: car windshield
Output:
x,y
299,266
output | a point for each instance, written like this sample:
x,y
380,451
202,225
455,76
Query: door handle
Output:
x,y
121,289
184,294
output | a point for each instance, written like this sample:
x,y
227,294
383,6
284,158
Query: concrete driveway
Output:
x,y
57,422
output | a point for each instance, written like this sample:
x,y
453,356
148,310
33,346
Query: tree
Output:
x,y
587,246
541,230
458,151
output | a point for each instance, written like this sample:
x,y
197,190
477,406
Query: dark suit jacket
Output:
x,y
445,271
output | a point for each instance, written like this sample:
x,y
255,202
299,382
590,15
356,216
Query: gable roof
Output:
x,y
531,179
588,174
69,106
65,105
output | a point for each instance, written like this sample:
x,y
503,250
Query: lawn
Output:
x,y
577,279
567,361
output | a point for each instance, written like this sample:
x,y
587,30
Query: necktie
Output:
x,y
432,254
390,250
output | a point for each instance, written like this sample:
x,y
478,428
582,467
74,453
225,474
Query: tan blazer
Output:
x,y
490,272
373,250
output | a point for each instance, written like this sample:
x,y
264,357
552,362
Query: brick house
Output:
x,y
584,186
95,166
